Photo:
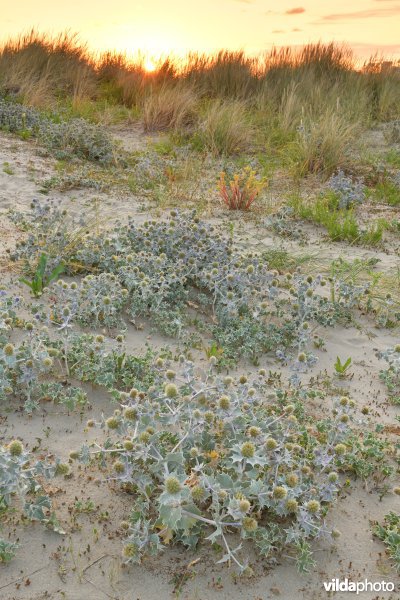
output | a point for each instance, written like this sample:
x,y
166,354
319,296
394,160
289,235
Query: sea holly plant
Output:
x,y
389,533
347,192
97,300
20,478
159,269
27,369
391,375
209,457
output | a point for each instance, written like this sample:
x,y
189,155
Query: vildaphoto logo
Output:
x,y
357,587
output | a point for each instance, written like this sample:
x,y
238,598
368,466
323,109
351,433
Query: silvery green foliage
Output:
x,y
283,224
9,305
7,550
96,300
24,370
20,477
108,365
47,227
76,137
167,264
391,376
349,192
205,456
15,117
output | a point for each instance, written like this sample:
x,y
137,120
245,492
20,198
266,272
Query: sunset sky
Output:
x,y
162,26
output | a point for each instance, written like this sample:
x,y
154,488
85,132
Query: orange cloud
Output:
x,y
295,11
364,14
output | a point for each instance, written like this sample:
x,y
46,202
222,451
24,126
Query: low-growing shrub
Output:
x,y
25,369
64,139
349,193
166,265
21,479
389,533
391,375
212,459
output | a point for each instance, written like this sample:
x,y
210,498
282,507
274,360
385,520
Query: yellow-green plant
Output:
x,y
240,191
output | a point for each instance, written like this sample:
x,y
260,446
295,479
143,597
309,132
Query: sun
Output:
x,y
149,65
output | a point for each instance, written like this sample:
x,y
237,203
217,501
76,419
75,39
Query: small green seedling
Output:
x,y
40,280
342,368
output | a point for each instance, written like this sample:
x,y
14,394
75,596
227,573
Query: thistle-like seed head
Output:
x,y
248,450
172,485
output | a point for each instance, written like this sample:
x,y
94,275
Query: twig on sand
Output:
x,y
22,577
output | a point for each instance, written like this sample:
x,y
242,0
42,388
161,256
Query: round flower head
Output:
x,y
112,423
9,349
249,524
172,485
62,469
248,450
15,448
313,506
254,431
170,374
224,402
171,391
128,445
333,477
243,379
90,423
397,348
396,491
340,449
292,505
302,357
244,505
99,339
292,479
271,444
119,466
198,493
133,393
209,417
144,437
130,413
279,492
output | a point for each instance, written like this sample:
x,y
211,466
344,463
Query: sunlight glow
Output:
x,y
149,65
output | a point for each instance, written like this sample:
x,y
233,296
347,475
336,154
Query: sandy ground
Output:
x,y
85,564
